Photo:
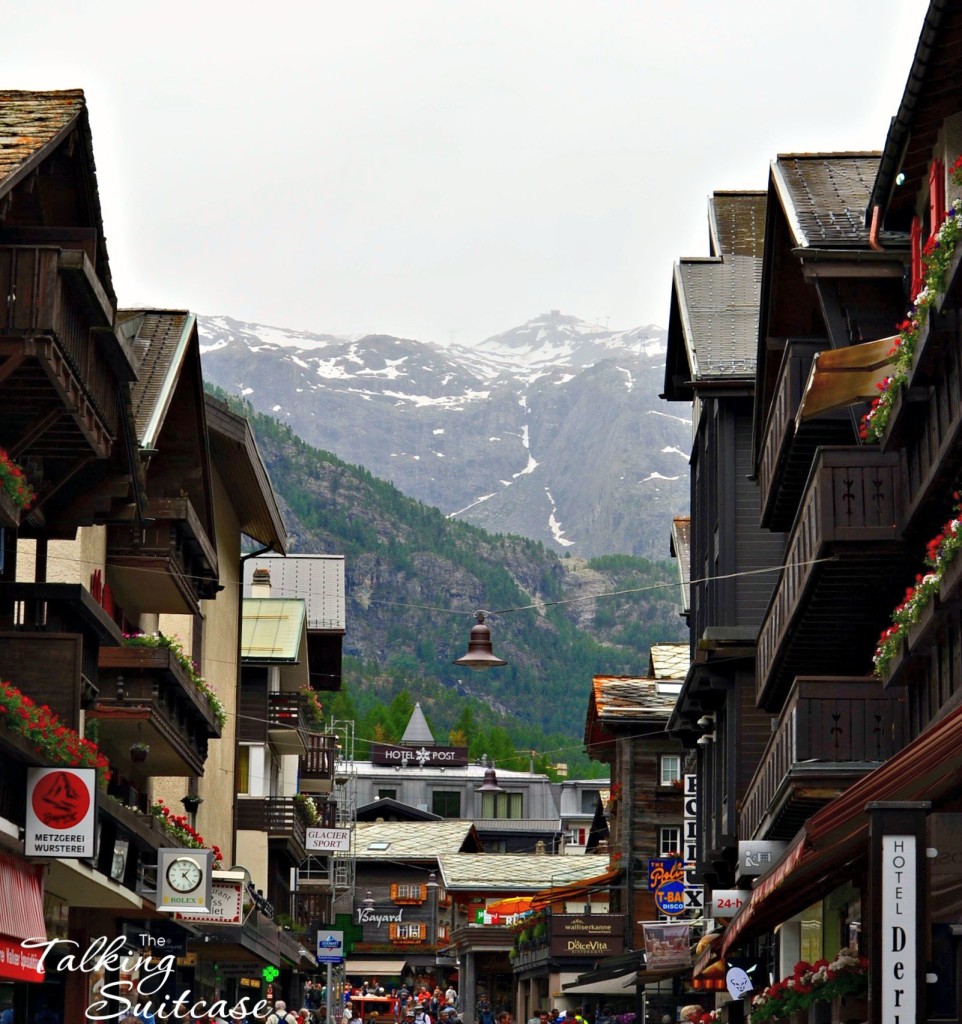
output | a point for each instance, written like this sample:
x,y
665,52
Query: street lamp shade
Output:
x,y
480,653
368,900
432,882
490,783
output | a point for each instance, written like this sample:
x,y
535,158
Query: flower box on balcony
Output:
x,y
950,586
921,633
849,1010
10,511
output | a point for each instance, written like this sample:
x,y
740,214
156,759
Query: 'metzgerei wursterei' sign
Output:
x,y
423,756
61,812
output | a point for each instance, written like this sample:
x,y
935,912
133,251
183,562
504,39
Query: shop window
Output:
x,y
446,803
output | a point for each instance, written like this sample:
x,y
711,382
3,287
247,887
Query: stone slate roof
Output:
x,y
31,124
718,306
413,840
670,660
736,223
824,196
632,699
517,872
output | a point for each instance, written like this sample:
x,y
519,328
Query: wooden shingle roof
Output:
x,y
736,223
631,699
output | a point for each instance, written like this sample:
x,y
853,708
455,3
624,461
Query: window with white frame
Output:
x,y
670,769
669,840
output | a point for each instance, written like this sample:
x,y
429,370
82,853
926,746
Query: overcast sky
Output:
x,y
443,170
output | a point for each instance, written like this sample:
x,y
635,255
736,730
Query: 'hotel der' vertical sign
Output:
x,y
899,932
896,921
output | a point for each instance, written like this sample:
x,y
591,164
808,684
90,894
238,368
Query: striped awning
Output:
x,y
559,893
21,899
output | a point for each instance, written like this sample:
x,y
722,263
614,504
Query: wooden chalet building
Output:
x,y
144,489
844,754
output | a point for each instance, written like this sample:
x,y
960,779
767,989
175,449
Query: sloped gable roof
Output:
x,y
736,223
824,196
717,305
517,872
32,124
413,840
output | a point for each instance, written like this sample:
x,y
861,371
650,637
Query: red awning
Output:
x,y
557,894
21,917
927,769
21,899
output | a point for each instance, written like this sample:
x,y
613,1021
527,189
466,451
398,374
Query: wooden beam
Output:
x,y
34,433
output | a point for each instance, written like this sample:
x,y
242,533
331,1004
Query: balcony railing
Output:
x,y
147,696
788,448
317,765
287,723
830,733
50,636
176,547
276,816
57,323
847,528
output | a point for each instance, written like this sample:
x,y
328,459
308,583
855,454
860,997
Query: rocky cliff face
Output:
x,y
552,430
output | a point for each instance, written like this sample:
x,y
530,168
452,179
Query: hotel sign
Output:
x,y
899,927
423,756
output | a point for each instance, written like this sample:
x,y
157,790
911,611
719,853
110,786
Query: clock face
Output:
x,y
184,874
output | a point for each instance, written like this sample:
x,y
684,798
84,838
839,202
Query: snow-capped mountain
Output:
x,y
552,430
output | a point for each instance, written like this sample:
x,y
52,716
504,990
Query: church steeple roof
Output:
x,y
418,731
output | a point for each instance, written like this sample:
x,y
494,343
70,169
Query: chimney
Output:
x,y
261,583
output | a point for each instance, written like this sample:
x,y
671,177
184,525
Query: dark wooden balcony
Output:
x,y
788,448
146,696
277,816
830,733
60,358
311,908
169,566
50,638
845,569
316,774
286,723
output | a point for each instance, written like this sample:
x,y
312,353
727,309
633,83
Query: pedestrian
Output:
x,y
281,1015
485,1014
451,996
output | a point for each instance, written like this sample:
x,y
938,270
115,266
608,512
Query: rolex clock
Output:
x,y
184,879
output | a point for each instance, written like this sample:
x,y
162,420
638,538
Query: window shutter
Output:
x,y
393,891
936,195
422,892
392,930
916,242
422,932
